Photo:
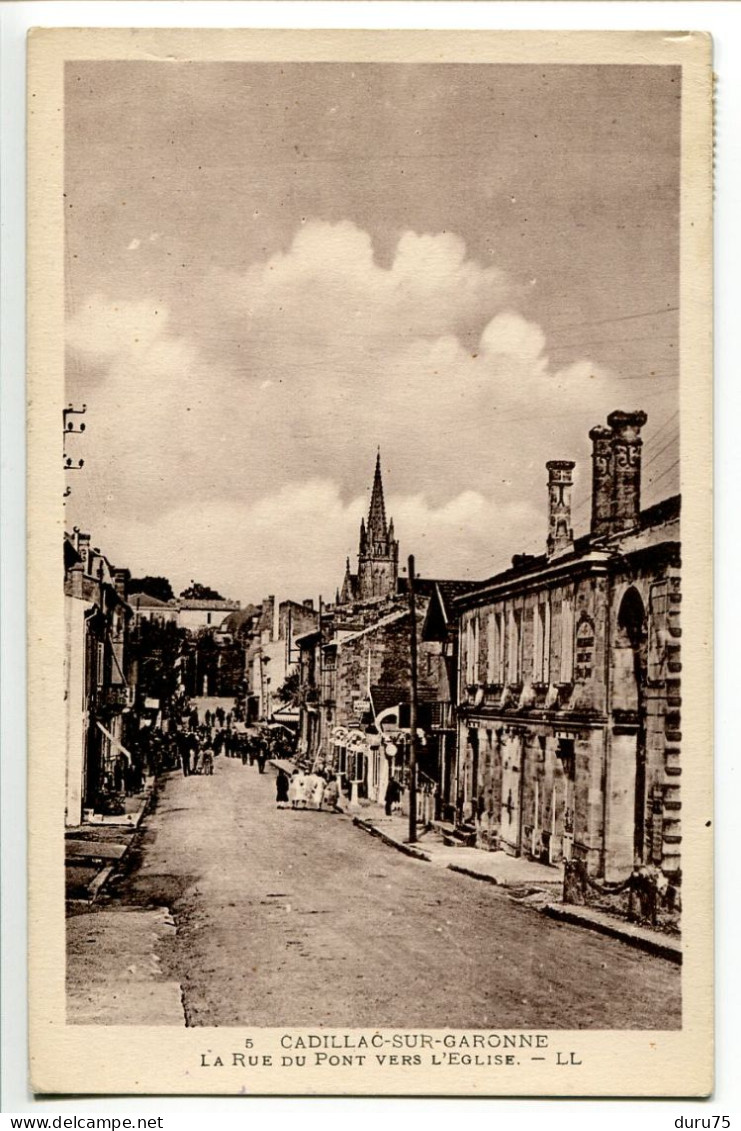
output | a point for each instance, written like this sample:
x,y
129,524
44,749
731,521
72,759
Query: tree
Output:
x,y
198,592
158,587
288,692
156,647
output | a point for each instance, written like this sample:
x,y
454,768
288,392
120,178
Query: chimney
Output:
x,y
120,578
602,479
626,461
83,549
560,533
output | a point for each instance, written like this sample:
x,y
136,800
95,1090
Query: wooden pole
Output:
x,y
412,708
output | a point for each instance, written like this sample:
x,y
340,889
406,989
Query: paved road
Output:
x,y
300,919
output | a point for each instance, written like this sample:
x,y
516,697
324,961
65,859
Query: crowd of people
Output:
x,y
313,790
192,742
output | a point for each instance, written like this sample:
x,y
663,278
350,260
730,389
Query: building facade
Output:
x,y
355,666
273,654
146,607
100,679
196,613
569,681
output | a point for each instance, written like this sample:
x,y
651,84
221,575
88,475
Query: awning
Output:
x,y
288,716
114,741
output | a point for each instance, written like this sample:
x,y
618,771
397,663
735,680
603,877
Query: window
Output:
x,y
541,641
491,648
499,674
514,655
567,641
472,650
467,657
538,626
584,649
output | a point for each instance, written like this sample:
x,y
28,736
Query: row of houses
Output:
x,y
191,613
99,675
549,717
130,661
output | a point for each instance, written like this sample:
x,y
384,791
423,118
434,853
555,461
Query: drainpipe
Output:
x,y
607,746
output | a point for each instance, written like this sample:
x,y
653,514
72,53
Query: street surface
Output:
x,y
297,918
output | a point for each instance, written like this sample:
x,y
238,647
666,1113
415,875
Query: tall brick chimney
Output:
x,y
602,479
626,458
560,533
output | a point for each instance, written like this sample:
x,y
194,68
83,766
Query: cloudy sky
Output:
x,y
274,268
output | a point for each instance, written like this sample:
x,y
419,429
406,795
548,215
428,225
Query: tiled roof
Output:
x,y
391,695
144,600
196,603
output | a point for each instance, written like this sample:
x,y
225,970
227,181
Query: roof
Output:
x,y
392,694
139,600
391,618
238,618
203,603
377,511
665,511
71,554
308,637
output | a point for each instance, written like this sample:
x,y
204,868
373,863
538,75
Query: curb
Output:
x,y
657,945
662,948
101,878
97,885
417,853
477,875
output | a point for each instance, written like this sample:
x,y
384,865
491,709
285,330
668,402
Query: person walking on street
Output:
x,y
331,793
184,748
393,793
281,788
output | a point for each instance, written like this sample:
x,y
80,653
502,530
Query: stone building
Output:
x,y
99,676
272,653
146,607
438,659
569,681
356,677
195,613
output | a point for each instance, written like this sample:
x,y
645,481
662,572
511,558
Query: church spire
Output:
x,y
377,513
378,557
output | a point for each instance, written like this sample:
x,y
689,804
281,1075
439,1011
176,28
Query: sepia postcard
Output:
x,y
370,721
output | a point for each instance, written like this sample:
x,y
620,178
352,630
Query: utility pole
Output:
x,y
71,464
412,709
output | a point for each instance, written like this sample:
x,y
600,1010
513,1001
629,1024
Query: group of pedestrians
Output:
x,y
313,790
250,747
196,751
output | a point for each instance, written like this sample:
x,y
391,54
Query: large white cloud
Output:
x,y
206,412
293,542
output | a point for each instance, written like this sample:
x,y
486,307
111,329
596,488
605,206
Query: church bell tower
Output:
x,y
378,554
